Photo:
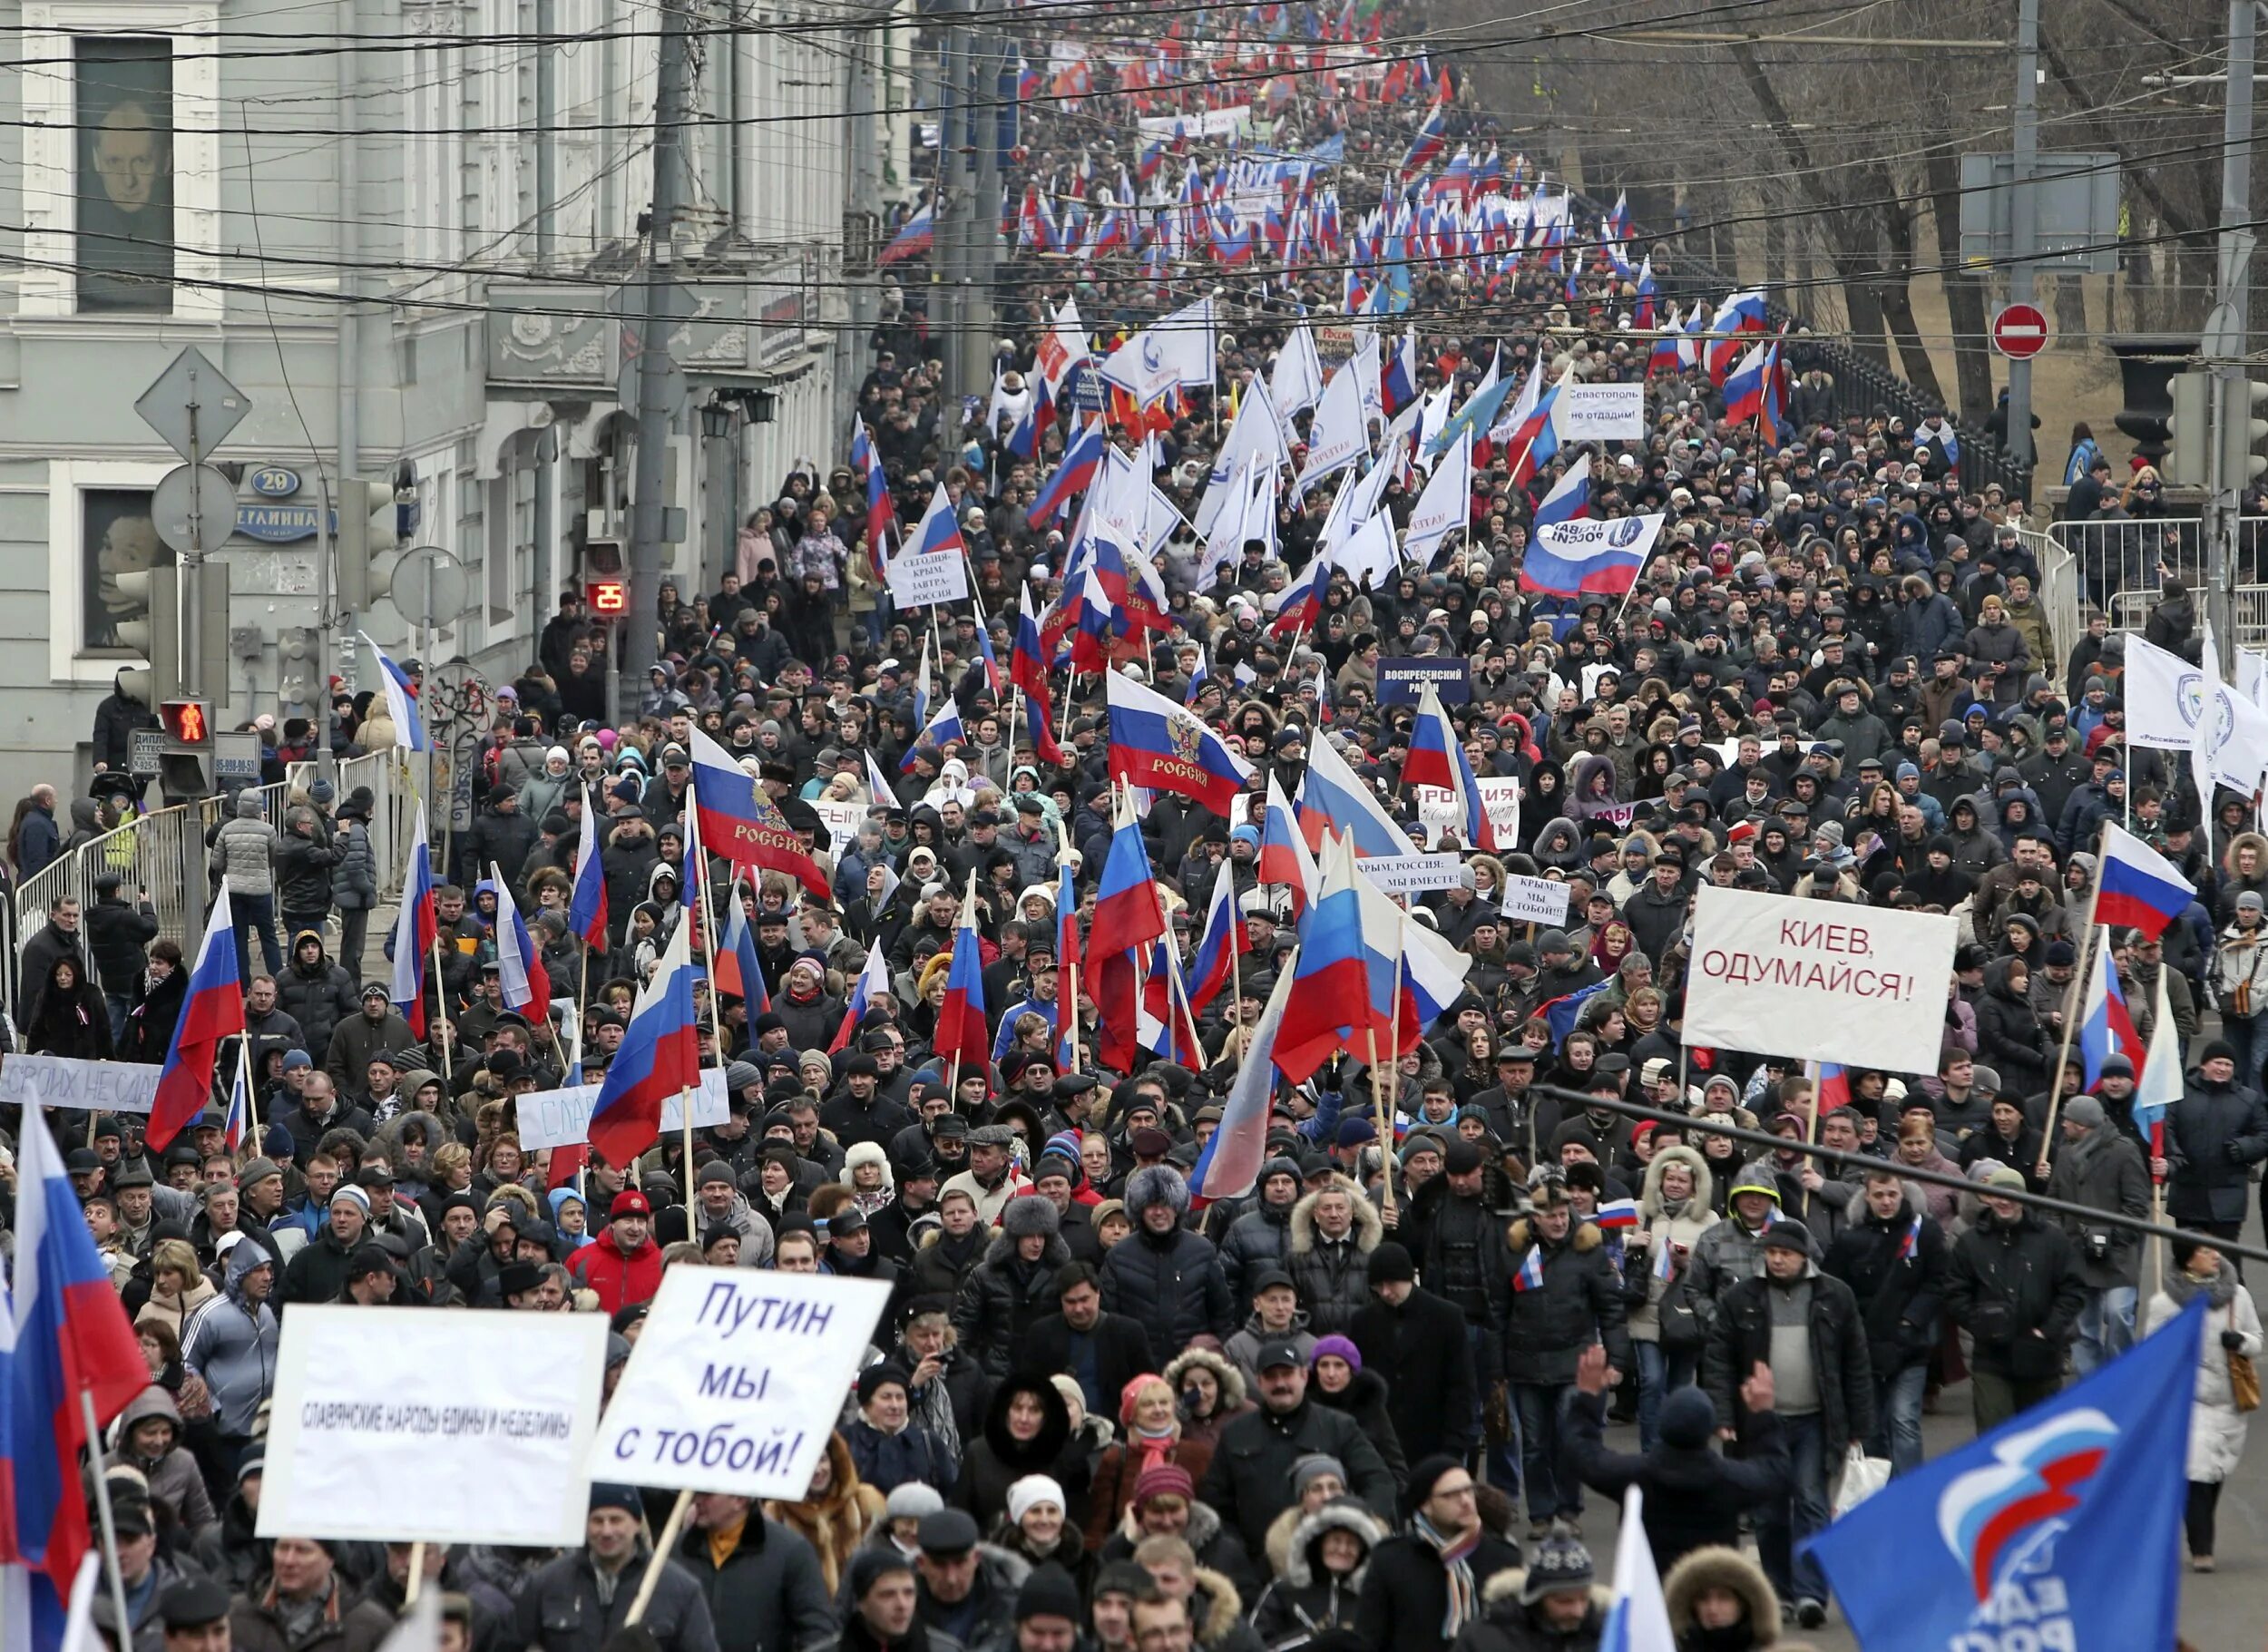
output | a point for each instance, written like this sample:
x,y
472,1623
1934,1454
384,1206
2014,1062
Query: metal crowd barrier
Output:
x,y
2117,561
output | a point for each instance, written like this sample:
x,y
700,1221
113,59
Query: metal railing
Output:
x,y
1862,383
2117,561
164,852
2059,593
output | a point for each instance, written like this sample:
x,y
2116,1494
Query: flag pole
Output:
x,y
414,1581
708,912
441,1008
658,1561
2091,944
251,1102
109,1522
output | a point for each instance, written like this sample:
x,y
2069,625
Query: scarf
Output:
x,y
1157,1449
1454,1558
2220,1290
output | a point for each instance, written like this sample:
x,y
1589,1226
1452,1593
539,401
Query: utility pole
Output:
x,y
985,112
948,258
2227,334
2023,217
549,576
861,131
348,371
657,379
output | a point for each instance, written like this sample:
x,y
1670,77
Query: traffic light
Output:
x,y
605,587
2188,430
2242,431
185,762
156,636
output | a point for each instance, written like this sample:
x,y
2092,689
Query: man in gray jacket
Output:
x,y
2099,1166
244,852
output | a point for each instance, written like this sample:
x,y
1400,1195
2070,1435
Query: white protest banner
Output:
x,y
508,1400
841,819
62,1080
921,578
1535,900
1818,981
562,1118
737,1380
1499,801
1598,413
1412,874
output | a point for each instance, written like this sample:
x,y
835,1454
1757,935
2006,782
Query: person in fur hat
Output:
x,y
1014,1286
1167,1279
1719,1601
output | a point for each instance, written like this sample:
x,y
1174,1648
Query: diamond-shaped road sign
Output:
x,y
192,398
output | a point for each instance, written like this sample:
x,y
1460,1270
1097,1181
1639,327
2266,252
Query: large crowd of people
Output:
x,y
1362,1403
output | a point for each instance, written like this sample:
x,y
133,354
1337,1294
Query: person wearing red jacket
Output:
x,y
624,1266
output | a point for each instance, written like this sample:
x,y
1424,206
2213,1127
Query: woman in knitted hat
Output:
x,y
1036,1529
1151,1435
1341,1384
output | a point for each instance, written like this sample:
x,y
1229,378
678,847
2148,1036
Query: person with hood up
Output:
x,y
1027,1430
67,1016
1719,1600
624,1264
1675,1209
1318,1582
1014,1286
232,1345
150,1441
1730,1250
315,991
1803,1327
1165,1278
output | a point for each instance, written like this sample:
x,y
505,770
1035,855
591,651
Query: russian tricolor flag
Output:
x,y
1530,1275
1284,859
917,234
1399,387
943,728
1437,758
586,906
1066,969
212,1010
940,530
659,1057
1231,1163
1167,748
417,930
1082,457
527,984
1333,795
401,701
962,1036
63,1334
1617,1213
872,980
1214,964
2140,888
1739,315
737,969
1570,498
743,823
2105,1029
1431,138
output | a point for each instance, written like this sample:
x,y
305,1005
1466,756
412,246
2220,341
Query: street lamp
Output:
x,y
716,420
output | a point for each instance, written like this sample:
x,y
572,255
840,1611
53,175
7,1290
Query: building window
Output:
x,y
126,234
116,536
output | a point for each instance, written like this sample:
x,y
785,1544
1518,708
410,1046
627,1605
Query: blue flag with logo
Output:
x,y
2060,1528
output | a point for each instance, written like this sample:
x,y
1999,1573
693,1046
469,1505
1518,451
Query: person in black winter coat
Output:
x,y
765,1594
159,997
1897,1270
1249,1480
1694,1496
1577,1299
2213,1135
1333,1232
1825,1396
1079,1332
1262,1235
1310,1594
315,991
1027,1430
1359,1393
117,932
1406,1604
1415,1342
2009,1037
1165,1278
67,1016
2014,1284
1014,1286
